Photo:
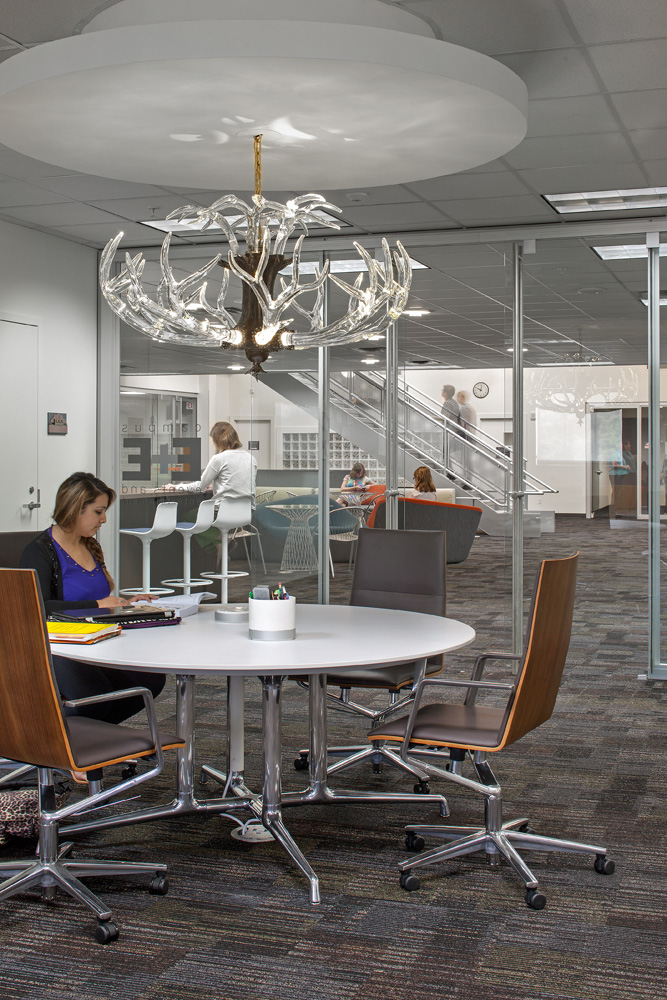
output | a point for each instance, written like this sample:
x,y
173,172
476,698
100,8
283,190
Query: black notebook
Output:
x,y
136,613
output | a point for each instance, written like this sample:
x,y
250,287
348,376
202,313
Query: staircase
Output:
x,y
474,463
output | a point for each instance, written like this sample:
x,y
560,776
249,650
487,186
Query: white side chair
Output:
x,y
233,513
164,523
204,520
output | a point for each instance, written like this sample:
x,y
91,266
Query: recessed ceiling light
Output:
x,y
663,300
416,312
236,368
131,392
629,251
608,201
370,361
570,364
591,290
511,349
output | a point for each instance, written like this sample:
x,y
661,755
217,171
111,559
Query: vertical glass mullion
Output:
x,y
323,403
517,450
656,669
391,426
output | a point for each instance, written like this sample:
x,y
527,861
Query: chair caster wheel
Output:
x,y
413,842
203,777
128,772
159,885
422,788
377,768
106,932
535,899
409,882
301,763
604,865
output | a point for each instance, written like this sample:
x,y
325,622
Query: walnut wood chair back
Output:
x,y
32,726
546,645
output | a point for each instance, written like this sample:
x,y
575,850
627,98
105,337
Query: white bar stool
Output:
x,y
204,520
233,513
164,523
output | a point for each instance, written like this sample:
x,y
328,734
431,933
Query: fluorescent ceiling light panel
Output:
x,y
663,300
631,251
608,201
179,226
416,312
354,266
570,364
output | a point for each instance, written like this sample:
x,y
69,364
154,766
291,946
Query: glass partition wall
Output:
x,y
591,438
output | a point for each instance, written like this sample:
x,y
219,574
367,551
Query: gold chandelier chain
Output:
x,y
258,165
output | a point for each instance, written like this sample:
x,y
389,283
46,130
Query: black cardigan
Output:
x,y
40,554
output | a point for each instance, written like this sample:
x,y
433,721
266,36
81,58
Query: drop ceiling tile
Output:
x,y
651,144
385,217
642,109
657,172
15,164
632,65
492,209
40,22
617,20
15,192
603,177
383,195
71,213
564,151
561,73
570,116
492,27
86,187
467,185
140,209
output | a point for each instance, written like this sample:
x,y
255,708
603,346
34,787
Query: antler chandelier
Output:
x,y
182,313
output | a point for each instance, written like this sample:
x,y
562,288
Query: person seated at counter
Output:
x,y
424,488
72,574
232,472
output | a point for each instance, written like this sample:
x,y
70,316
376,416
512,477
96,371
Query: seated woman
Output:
x,y
232,472
424,486
354,484
71,572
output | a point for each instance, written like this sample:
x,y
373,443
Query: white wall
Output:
x,y
53,283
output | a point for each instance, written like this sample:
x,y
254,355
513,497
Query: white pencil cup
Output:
x,y
272,621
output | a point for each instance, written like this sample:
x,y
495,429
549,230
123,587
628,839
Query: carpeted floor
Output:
x,y
237,922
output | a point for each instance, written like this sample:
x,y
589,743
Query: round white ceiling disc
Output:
x,y
176,103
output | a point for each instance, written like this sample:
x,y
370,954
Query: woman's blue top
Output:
x,y
81,584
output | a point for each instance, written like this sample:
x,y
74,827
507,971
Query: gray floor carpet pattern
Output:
x,y
237,922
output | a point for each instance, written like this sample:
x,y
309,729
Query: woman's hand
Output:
x,y
112,602
140,598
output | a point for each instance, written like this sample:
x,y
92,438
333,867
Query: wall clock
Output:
x,y
480,389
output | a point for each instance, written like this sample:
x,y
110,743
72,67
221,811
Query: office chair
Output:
x,y
471,730
403,570
35,730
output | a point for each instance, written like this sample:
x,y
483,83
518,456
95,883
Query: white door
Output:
x,y
19,486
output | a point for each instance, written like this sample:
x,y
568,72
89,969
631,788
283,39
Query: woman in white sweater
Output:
x,y
232,472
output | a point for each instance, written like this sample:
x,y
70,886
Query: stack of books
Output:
x,y
80,632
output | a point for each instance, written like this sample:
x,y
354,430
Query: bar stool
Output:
x,y
233,513
164,523
204,520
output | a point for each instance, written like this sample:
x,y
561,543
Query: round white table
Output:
x,y
327,639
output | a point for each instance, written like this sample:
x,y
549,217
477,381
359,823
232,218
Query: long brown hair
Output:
x,y
79,490
224,436
423,480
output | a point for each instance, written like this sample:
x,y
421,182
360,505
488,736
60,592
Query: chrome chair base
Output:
x,y
498,839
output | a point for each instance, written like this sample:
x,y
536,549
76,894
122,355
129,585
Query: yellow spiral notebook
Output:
x,y
80,632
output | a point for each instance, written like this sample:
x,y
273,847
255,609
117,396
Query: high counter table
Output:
x,y
327,639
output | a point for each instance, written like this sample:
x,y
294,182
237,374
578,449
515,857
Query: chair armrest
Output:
x,y
149,706
478,670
